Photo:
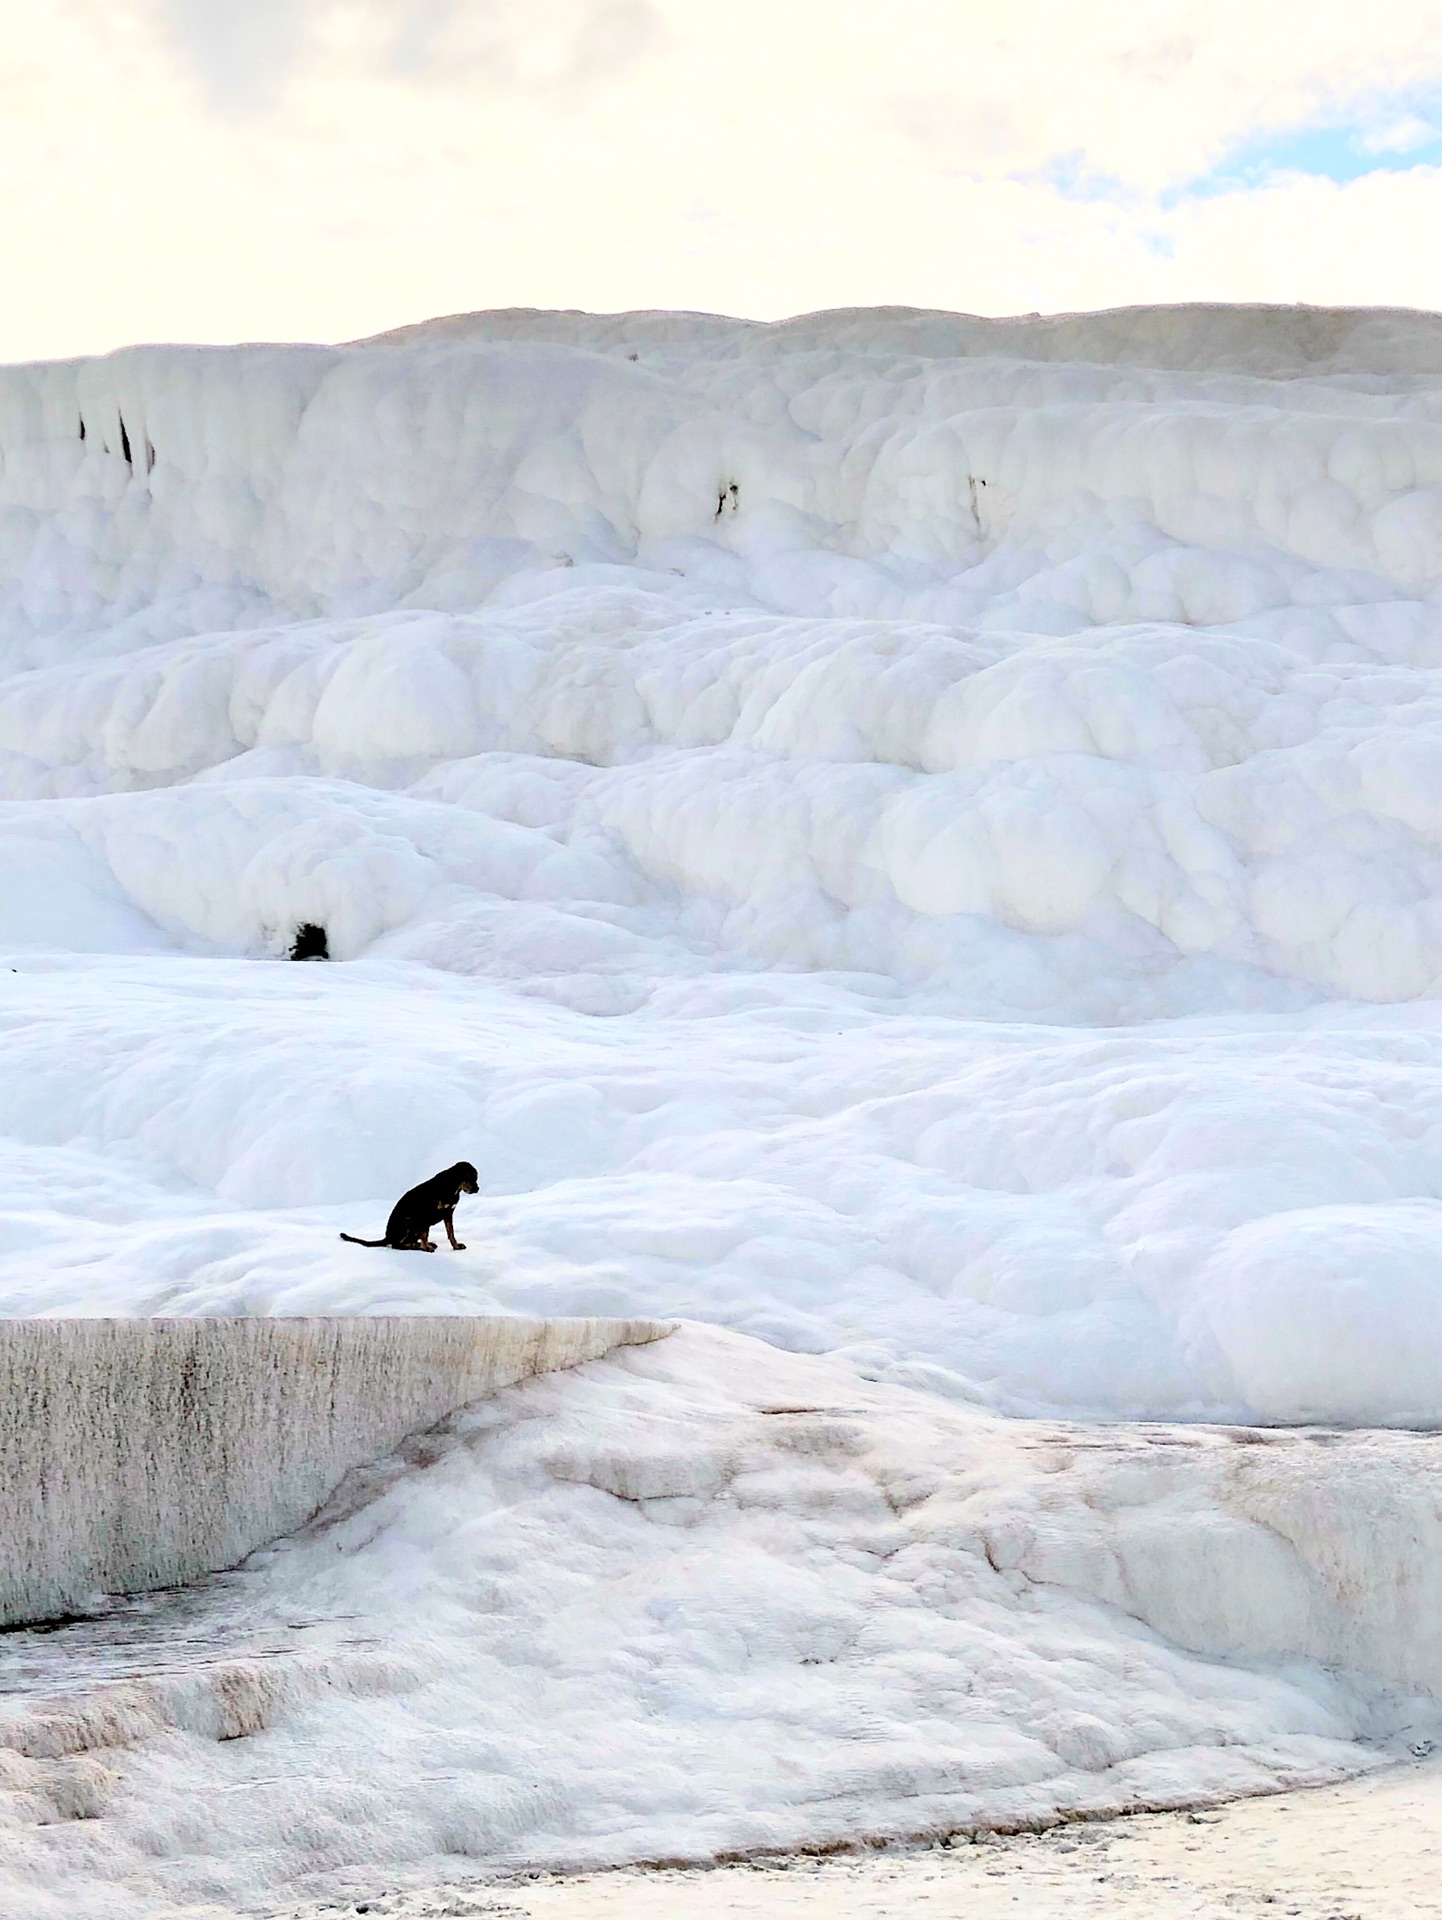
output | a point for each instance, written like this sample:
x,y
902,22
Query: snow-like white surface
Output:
x,y
705,1596
741,877
910,838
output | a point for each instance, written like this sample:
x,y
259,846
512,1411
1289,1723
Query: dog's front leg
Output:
x,y
448,1217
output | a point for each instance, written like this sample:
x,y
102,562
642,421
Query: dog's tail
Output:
x,y
363,1243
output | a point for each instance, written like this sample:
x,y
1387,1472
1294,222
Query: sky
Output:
x,y
216,170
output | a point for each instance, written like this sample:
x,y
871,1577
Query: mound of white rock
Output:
x,y
915,839
706,1597
741,767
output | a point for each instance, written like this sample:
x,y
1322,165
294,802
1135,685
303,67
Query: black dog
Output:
x,y
416,1212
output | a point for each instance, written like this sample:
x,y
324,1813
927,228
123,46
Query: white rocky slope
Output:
x,y
911,838
741,877
707,1597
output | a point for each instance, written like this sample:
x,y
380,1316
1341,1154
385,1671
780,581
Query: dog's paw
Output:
x,y
460,1246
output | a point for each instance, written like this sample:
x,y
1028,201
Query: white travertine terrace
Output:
x,y
913,840
142,1453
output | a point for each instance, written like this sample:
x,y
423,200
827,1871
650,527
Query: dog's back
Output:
x,y
420,1209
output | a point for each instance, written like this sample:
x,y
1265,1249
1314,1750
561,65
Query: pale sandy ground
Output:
x,y
1368,1850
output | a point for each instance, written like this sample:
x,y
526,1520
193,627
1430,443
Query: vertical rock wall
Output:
x,y
141,1453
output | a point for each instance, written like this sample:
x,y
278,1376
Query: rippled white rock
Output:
x,y
707,1596
741,877
913,838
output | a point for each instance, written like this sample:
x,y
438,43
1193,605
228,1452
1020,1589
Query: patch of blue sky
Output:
x,y
1392,136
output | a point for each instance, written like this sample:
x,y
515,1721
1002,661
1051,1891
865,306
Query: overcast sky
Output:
x,y
321,169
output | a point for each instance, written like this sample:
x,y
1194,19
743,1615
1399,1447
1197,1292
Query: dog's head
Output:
x,y
465,1176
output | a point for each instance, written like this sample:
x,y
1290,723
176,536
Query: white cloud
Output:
x,y
1405,135
245,56
325,168
240,53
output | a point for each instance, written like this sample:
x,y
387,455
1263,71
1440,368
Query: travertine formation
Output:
x,y
141,1453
